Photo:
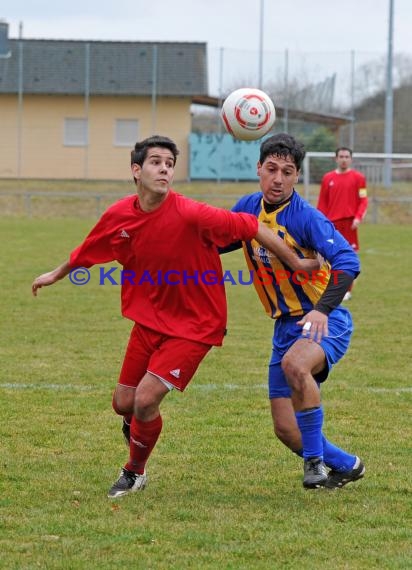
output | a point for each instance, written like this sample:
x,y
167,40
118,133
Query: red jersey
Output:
x,y
343,195
172,274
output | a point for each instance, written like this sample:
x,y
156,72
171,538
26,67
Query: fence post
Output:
x,y
27,202
98,205
306,177
374,210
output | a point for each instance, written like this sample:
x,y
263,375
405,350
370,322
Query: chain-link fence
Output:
x,y
75,109
138,85
114,93
342,91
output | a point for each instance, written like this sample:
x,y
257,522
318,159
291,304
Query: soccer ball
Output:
x,y
248,114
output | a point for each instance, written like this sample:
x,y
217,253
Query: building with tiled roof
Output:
x,y
73,109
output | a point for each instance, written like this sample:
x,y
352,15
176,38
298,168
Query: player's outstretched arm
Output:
x,y
50,277
277,246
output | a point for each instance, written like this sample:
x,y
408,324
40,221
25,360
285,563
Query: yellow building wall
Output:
x,y
32,135
8,136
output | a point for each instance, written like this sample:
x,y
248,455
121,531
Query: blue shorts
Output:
x,y
287,332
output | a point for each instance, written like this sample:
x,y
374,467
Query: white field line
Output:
x,y
52,387
373,251
193,386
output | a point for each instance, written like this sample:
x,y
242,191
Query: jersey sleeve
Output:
x,y
238,207
321,235
96,248
362,199
223,227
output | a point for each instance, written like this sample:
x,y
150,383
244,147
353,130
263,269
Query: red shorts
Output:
x,y
174,360
344,226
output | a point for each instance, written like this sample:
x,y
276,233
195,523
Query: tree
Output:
x,y
320,140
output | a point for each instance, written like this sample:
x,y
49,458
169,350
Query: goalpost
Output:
x,y
373,166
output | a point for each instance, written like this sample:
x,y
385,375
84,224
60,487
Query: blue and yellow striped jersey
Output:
x,y
308,232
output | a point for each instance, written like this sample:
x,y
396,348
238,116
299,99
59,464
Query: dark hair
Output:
x,y
139,153
283,145
343,148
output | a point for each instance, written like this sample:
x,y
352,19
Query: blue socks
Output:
x,y
315,443
337,458
310,424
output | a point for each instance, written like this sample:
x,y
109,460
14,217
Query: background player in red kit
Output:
x,y
177,319
343,198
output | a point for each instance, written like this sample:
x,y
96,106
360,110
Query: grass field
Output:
x,y
222,493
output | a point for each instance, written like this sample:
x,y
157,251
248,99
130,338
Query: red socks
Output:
x,y
143,438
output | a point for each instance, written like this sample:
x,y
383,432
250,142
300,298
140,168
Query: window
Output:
x,y
75,132
126,132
